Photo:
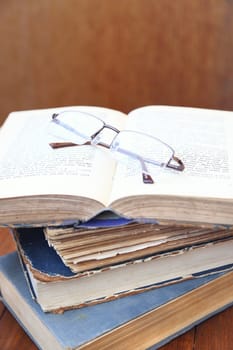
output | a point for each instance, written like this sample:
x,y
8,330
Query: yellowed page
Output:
x,y
29,166
201,138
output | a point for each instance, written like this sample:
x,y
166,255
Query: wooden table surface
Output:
x,y
214,334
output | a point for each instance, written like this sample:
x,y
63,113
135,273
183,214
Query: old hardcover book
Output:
x,y
87,246
137,322
75,183
56,288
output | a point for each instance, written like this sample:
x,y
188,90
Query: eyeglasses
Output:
x,y
77,128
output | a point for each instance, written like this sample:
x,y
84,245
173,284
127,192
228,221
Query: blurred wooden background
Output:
x,y
120,54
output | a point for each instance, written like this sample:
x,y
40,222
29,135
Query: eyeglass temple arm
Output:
x,y
146,177
56,145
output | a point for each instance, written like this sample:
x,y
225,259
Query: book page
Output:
x,y
29,166
202,139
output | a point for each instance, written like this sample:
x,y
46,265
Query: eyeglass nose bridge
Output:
x,y
96,137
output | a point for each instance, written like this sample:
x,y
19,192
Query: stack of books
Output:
x,y
104,259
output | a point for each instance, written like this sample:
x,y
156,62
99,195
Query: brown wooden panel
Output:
x,y
12,336
119,54
184,342
2,308
7,243
216,333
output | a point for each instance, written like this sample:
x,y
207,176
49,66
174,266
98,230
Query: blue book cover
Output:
x,y
141,321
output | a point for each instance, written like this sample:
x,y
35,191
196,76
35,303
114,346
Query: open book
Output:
x,y
41,185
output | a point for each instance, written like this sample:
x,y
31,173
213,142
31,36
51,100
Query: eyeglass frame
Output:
x,y
94,140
